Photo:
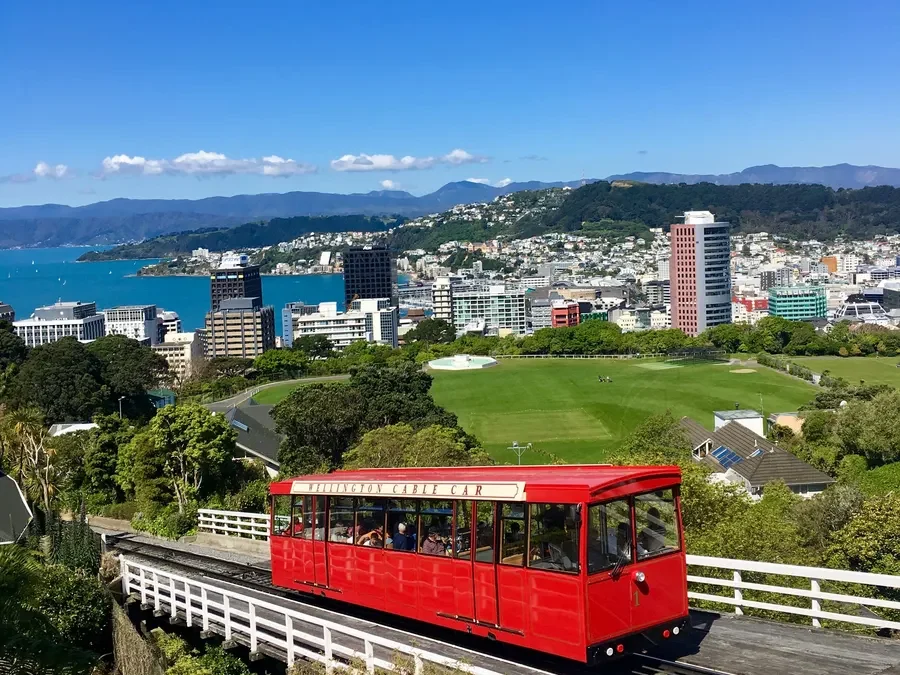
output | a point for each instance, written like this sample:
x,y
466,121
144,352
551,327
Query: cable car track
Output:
x,y
258,578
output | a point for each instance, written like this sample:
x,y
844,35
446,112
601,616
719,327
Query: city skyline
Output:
x,y
208,101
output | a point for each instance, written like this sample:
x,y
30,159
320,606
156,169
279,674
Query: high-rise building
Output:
x,y
502,310
782,276
564,313
372,320
700,272
240,327
442,299
63,319
235,278
658,292
289,316
662,269
798,302
369,274
138,322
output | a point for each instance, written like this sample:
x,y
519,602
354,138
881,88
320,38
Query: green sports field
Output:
x,y
872,369
561,407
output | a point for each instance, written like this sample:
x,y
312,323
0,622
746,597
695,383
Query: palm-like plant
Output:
x,y
29,644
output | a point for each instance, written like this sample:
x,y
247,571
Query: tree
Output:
x,y
871,428
12,348
102,453
399,445
870,540
319,423
185,449
281,363
64,381
314,346
226,366
819,517
432,330
130,369
32,455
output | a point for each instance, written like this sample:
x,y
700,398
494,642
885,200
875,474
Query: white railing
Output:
x,y
262,623
233,523
815,576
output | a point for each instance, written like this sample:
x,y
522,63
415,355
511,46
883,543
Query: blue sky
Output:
x,y
489,90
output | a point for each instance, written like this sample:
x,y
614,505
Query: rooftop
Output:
x,y
737,414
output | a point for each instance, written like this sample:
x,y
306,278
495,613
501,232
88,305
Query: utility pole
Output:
x,y
121,398
519,449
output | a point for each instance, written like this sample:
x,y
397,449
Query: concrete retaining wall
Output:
x,y
237,544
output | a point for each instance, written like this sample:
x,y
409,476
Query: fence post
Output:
x,y
329,658
123,571
156,603
738,594
226,604
419,666
370,658
816,604
253,636
187,604
172,600
143,587
289,638
204,607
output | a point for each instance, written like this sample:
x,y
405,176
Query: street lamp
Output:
x,y
519,449
121,398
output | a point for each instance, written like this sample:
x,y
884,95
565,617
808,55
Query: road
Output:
x,y
247,394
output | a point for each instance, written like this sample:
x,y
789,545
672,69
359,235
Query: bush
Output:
x,y
124,511
78,606
181,660
167,522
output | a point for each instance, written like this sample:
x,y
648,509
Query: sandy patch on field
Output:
x,y
741,371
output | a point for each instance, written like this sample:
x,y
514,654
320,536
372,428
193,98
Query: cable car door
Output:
x,y
484,571
610,558
319,549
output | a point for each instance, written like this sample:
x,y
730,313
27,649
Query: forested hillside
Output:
x,y
248,235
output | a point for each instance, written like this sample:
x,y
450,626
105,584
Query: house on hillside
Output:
x,y
737,454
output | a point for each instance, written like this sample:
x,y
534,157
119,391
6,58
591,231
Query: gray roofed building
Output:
x,y
739,455
256,434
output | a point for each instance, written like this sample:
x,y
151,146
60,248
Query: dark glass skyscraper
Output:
x,y
234,279
369,273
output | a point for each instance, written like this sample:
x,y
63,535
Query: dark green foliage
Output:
x,y
314,346
64,381
167,522
432,330
130,369
78,607
281,364
12,348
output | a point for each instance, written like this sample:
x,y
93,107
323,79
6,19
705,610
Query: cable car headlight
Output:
x,y
640,577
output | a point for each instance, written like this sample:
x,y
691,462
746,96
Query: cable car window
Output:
x,y
484,532
462,537
370,522
301,518
657,523
402,524
340,522
281,515
553,540
434,526
512,534
319,531
609,536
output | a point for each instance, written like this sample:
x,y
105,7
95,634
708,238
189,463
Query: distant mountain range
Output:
x,y
837,176
122,220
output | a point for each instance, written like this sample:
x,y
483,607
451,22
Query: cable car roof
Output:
x,y
497,483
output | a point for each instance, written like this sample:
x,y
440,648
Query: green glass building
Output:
x,y
798,302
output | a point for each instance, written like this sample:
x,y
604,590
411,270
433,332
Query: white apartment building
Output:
x,y
138,322
503,310
662,269
183,352
63,319
442,299
372,320
848,263
660,319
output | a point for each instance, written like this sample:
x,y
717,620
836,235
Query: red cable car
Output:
x,y
577,561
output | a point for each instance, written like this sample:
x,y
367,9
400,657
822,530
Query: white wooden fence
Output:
x,y
234,523
815,577
258,623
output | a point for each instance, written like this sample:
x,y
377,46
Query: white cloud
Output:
x,y
388,184
203,163
44,170
503,183
364,162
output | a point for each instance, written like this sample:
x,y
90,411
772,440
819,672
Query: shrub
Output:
x,y
167,522
78,606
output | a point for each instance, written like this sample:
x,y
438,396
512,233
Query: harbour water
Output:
x,y
31,278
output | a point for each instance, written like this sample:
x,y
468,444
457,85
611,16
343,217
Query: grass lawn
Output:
x,y
872,369
559,406
276,393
